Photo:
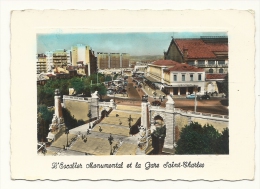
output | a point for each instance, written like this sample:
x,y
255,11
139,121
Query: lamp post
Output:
x,y
110,140
129,120
195,103
97,76
67,133
89,117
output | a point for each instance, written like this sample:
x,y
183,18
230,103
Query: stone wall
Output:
x,y
218,125
78,109
180,122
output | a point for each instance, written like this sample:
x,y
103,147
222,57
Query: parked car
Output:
x,y
190,96
205,97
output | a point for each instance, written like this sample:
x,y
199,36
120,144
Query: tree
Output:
x,y
223,142
69,120
78,85
158,137
44,119
195,139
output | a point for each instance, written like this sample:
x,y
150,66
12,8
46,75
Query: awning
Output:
x,y
181,85
152,79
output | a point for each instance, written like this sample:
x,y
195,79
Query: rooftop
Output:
x,y
165,63
185,68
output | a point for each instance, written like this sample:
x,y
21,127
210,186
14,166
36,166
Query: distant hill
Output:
x,y
145,58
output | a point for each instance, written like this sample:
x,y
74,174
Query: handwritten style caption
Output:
x,y
147,166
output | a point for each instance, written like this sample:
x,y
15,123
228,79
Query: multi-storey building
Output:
x,y
41,63
176,78
209,53
103,60
115,60
57,58
84,54
60,58
68,57
125,59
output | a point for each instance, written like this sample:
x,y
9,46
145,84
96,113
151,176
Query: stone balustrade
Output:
x,y
201,114
75,98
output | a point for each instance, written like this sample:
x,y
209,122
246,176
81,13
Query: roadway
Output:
x,y
215,105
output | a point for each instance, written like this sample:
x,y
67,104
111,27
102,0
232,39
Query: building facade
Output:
x,y
84,54
125,60
41,65
115,60
57,58
209,53
176,78
103,60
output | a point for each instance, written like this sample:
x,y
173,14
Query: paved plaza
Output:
x,y
96,141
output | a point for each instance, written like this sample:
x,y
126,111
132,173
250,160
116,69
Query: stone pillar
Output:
x,y
170,124
145,114
94,105
57,104
145,124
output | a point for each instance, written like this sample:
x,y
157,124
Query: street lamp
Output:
x,y
110,139
97,76
195,103
129,120
67,133
89,117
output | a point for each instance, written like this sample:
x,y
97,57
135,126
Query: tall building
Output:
x,y
125,59
41,63
115,60
84,54
103,60
57,58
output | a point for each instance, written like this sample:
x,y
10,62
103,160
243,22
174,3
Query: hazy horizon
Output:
x,y
134,43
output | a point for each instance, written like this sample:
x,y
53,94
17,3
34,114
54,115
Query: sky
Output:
x,y
136,44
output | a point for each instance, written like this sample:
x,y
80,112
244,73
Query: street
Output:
x,y
215,105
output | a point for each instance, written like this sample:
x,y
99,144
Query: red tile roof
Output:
x,y
215,76
185,68
197,48
165,63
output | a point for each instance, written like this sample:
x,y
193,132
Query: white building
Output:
x,y
175,78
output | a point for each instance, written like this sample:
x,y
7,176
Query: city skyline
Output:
x,y
134,43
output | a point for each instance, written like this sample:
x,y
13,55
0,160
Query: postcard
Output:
x,y
135,95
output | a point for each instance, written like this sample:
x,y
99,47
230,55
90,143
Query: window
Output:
x,y
221,62
221,70
210,70
191,63
191,77
201,62
175,77
211,62
199,77
183,77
